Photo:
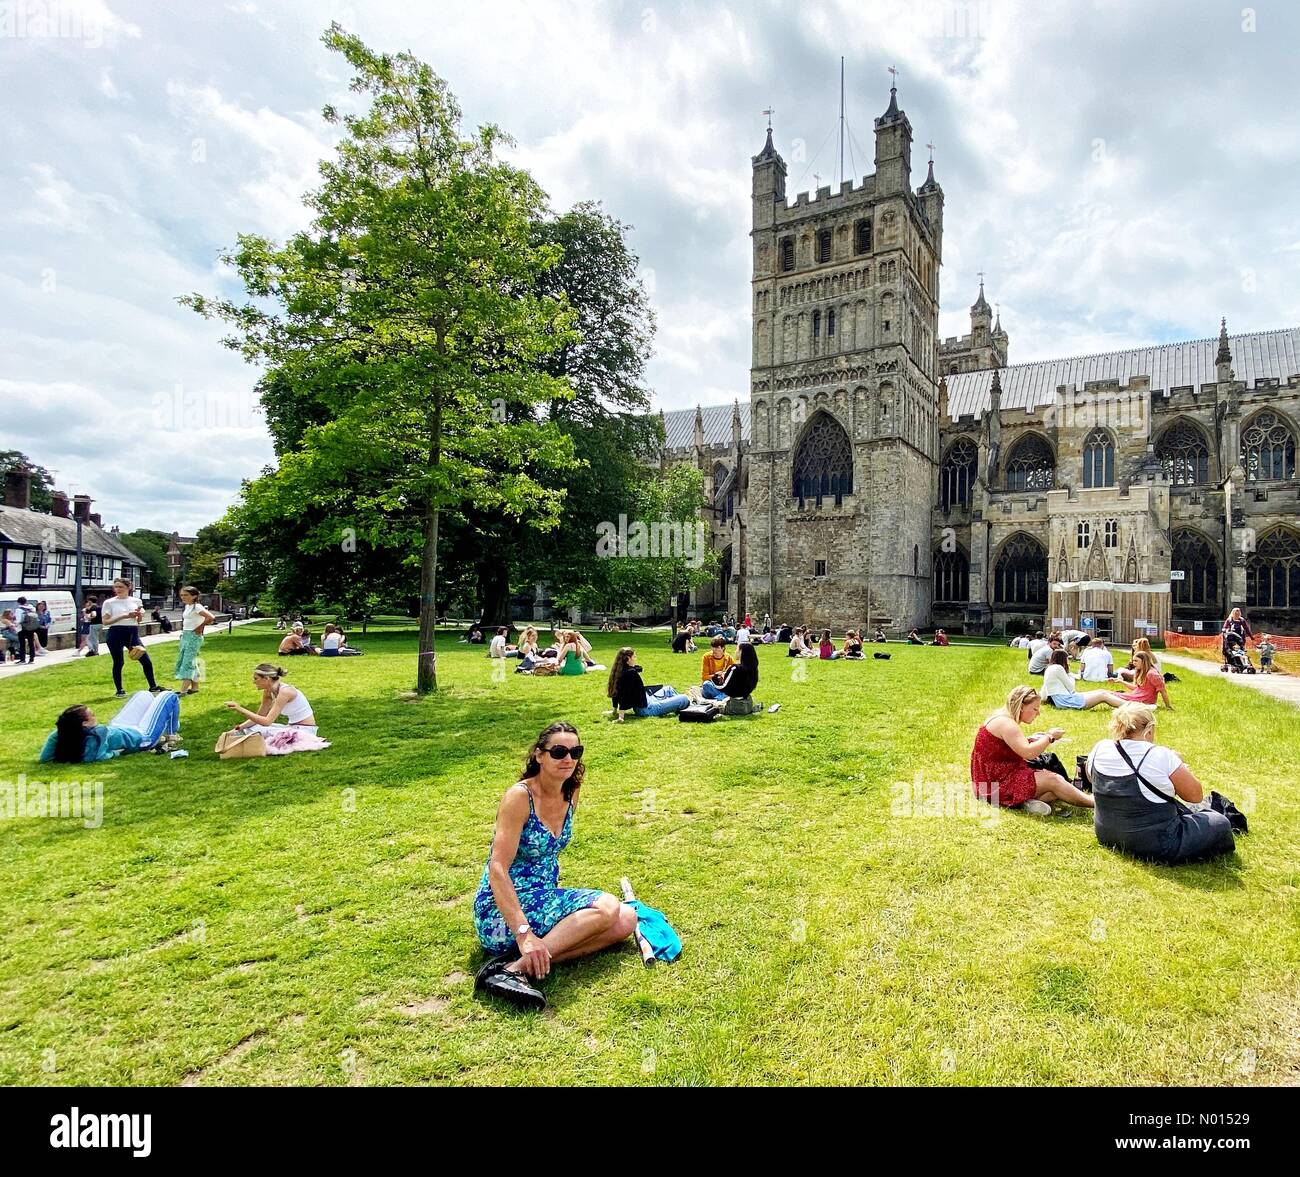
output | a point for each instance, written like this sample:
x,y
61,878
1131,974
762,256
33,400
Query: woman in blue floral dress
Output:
x,y
522,914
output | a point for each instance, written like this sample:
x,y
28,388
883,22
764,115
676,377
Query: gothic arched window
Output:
x,y
1194,557
823,464
957,474
1098,459
787,253
1020,575
1273,571
824,245
1183,454
1030,465
863,236
1267,448
951,577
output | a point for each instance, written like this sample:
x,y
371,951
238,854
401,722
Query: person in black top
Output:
x,y
742,678
784,634
630,693
681,639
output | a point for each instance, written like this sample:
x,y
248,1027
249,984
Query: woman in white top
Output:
x,y
1148,802
194,621
1058,688
279,701
334,643
122,614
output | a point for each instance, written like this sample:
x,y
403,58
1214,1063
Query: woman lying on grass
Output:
x,y
1005,765
79,738
630,693
521,913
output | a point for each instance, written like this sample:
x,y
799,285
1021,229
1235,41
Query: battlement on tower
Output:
x,y
823,197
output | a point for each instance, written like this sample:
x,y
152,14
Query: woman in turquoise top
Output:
x,y
521,912
79,738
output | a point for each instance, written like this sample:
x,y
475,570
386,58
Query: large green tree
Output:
x,y
42,482
410,306
151,546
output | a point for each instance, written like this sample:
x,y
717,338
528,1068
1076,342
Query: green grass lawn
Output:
x,y
306,919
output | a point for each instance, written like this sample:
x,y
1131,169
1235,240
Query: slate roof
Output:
x,y
1256,355
28,528
679,425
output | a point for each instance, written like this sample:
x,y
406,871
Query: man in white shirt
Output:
x,y
1037,643
1096,663
498,647
742,636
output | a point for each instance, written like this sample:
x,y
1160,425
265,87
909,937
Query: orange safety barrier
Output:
x,y
1212,641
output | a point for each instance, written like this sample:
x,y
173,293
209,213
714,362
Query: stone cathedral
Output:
x,y
882,474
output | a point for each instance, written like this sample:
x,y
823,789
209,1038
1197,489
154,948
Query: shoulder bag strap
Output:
x,y
1137,772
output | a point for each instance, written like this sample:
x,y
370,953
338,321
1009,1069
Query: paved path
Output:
x,y
1281,686
63,657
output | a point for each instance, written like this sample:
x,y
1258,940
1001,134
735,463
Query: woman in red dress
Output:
x,y
999,771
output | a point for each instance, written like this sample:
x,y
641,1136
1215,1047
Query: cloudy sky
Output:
x,y
1124,173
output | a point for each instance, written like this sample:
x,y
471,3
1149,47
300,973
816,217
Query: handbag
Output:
x,y
697,713
135,653
1236,819
240,745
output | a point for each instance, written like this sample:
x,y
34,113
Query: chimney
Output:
x,y
60,507
96,520
81,507
18,488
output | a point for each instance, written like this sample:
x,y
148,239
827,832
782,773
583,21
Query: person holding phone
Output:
x,y
1004,768
523,917
122,614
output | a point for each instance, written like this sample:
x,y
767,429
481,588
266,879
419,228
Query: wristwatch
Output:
x,y
523,929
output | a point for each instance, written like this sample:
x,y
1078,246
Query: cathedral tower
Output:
x,y
844,400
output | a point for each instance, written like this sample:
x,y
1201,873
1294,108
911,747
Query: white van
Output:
x,y
63,610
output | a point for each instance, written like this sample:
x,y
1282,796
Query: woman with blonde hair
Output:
x,y
1149,803
1007,768
1148,683
1140,646
279,700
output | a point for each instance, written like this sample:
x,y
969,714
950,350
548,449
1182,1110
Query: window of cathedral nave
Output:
x,y
1184,454
1031,465
1193,555
1081,534
1112,533
1098,459
1273,571
1268,448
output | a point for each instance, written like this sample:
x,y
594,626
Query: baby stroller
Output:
x,y
1236,660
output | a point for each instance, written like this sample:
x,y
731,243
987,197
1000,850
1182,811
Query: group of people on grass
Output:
x,y
722,679
1148,802
568,653
333,642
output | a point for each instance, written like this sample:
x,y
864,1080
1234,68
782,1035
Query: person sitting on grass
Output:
x,y
1096,663
497,647
1148,683
297,641
852,645
630,693
523,917
1140,646
799,647
1042,655
1058,688
526,651
738,682
940,638
279,700
1008,769
79,738
1149,803
570,653
826,647
914,638
716,662
334,644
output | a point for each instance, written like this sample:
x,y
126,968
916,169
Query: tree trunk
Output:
x,y
494,588
427,664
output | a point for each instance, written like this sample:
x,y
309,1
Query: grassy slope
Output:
x,y
267,921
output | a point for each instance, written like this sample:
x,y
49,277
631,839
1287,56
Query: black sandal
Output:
x,y
512,987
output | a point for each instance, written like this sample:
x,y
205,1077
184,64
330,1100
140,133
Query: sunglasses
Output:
x,y
559,751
